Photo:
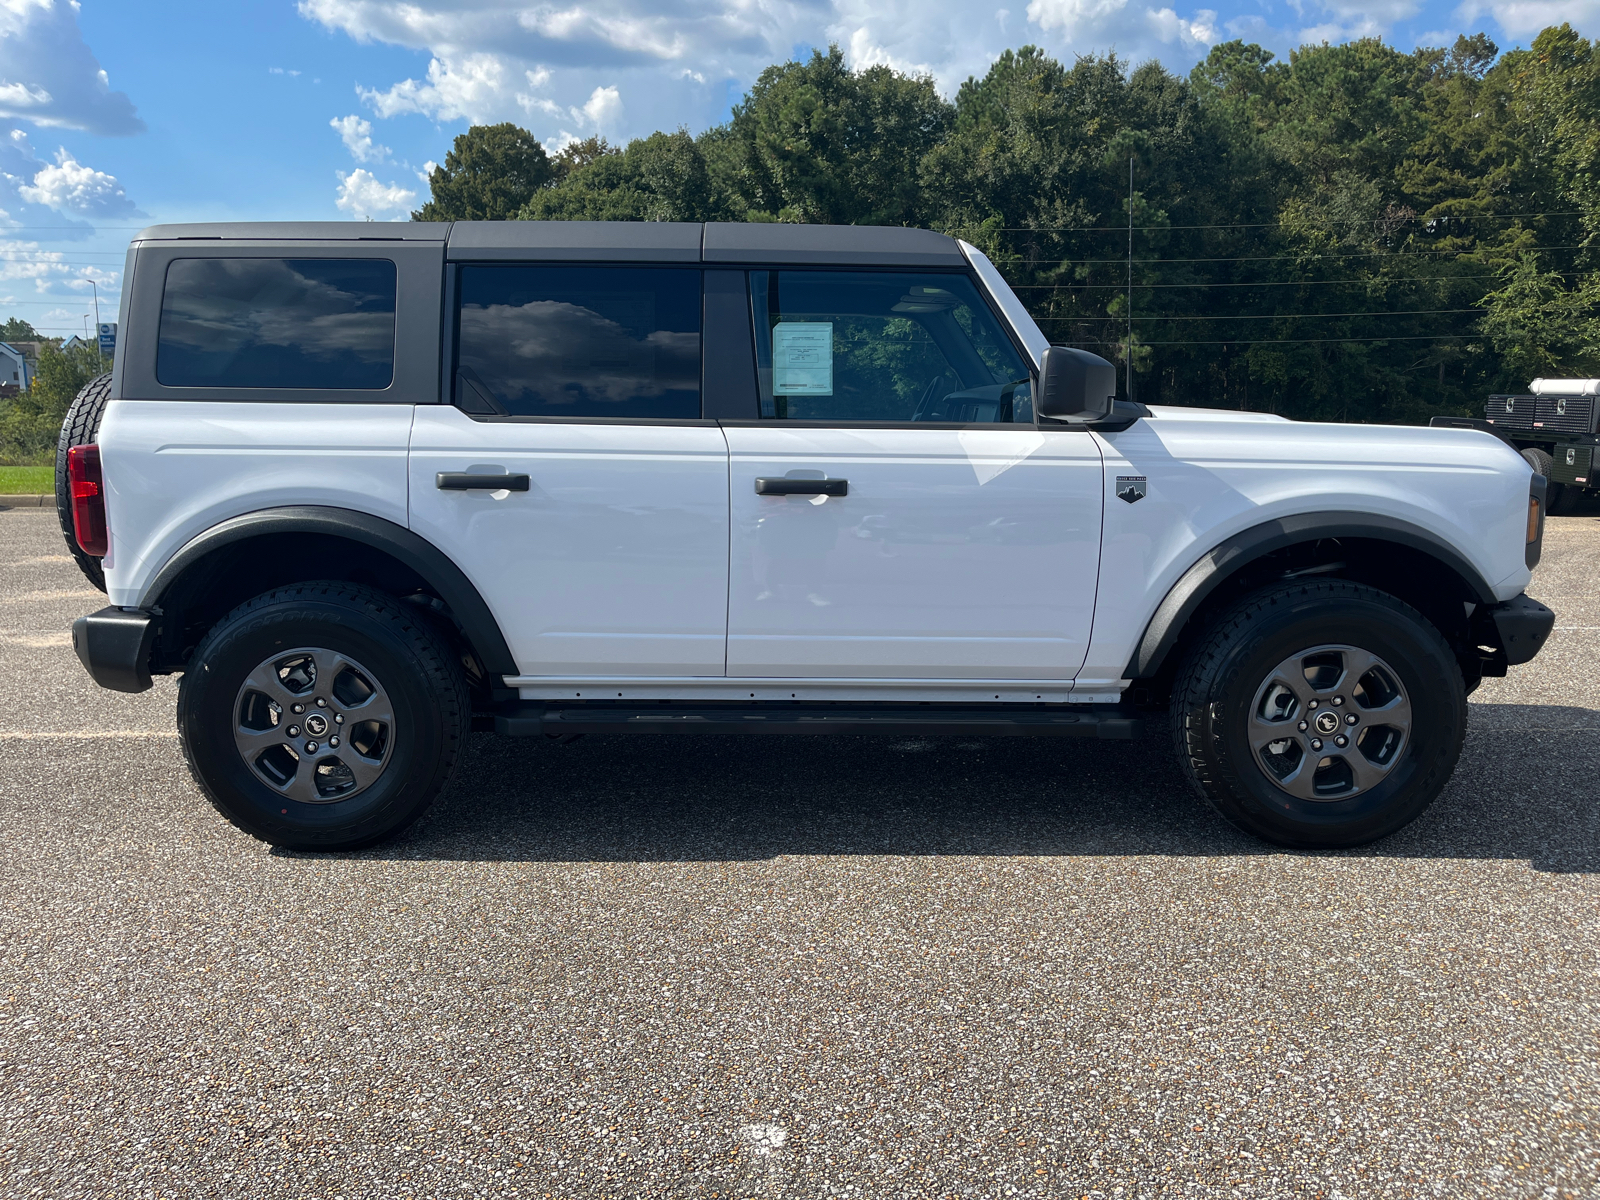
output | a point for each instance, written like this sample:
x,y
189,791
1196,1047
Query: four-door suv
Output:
x,y
370,487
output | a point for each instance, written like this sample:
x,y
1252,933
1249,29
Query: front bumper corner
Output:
x,y
1523,625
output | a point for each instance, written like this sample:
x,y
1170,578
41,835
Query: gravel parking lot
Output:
x,y
792,967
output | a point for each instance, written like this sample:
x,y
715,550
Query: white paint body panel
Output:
x,y
174,469
615,562
1214,474
958,554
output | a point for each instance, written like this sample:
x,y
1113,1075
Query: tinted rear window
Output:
x,y
323,323
583,341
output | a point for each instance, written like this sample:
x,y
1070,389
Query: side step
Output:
x,y
532,719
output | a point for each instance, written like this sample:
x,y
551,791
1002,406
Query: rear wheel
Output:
x,y
80,427
323,716
1320,714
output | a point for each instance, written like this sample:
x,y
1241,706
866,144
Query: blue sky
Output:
x,y
118,115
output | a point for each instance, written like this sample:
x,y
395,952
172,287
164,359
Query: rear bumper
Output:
x,y
1523,626
114,647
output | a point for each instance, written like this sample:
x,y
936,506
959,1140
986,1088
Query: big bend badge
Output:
x,y
1131,488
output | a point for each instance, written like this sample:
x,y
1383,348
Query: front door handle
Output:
x,y
463,481
802,487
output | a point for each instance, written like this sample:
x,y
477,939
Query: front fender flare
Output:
x,y
1217,564
415,552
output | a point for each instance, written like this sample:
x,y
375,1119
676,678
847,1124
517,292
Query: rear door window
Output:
x,y
581,341
317,323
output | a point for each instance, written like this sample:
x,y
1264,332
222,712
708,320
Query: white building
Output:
x,y
14,369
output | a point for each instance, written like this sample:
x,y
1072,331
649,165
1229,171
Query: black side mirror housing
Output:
x,y
1075,385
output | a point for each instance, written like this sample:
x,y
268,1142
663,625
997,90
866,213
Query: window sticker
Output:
x,y
802,358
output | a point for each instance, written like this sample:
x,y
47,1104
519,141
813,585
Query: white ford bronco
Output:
x,y
371,487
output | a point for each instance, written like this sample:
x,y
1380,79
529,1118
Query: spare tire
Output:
x,y
82,426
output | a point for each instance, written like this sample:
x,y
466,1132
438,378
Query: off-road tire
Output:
x,y
1217,685
80,427
410,660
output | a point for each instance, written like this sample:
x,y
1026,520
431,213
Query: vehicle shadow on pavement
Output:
x,y
1523,791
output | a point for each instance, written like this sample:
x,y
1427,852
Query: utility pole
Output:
x,y
1130,277
97,322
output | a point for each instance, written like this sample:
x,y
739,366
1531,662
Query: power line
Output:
x,y
1404,312
1370,279
1158,228
1414,255
1423,337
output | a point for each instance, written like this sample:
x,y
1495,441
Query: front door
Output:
x,y
612,558
896,513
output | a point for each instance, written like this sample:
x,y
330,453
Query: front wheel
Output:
x,y
323,716
1320,715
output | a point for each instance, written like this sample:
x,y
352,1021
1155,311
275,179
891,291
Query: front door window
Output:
x,y
883,347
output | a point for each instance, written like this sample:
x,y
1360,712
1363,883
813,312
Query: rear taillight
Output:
x,y
88,500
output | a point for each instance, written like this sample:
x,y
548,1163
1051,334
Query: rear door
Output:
x,y
604,555
896,511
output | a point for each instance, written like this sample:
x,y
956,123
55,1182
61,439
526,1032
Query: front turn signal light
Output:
x,y
88,500
1533,520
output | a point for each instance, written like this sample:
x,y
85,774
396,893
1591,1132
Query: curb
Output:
x,y
26,501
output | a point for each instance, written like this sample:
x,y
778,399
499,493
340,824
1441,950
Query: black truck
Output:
x,y
1553,426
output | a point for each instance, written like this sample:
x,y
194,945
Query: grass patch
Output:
x,y
24,481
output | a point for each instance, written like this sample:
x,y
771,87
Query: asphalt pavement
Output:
x,y
719,967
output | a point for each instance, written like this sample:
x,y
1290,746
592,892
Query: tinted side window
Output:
x,y
552,341
277,323
883,346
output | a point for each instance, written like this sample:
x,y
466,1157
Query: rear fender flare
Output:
x,y
435,567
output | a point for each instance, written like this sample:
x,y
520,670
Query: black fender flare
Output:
x,y
435,567
1223,560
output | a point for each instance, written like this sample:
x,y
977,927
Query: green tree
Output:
x,y
15,329
488,175
659,178
817,142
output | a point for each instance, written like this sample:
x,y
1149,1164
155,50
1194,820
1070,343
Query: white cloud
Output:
x,y
20,260
1524,18
362,194
603,110
70,187
1169,27
357,135
51,77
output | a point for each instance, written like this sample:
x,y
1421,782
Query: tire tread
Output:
x,y
437,662
1199,676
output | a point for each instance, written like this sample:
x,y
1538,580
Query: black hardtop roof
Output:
x,y
298,231
590,241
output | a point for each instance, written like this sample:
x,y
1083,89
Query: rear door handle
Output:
x,y
802,487
462,481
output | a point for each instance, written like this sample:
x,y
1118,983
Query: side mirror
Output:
x,y
1075,385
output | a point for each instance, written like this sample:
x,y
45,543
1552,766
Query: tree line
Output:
x,y
1354,233
31,421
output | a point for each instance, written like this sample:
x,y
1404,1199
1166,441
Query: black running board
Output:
x,y
528,720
